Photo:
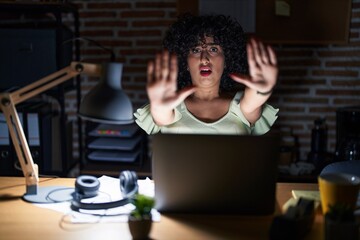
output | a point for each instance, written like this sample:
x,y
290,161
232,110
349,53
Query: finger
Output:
x,y
157,67
165,65
173,68
247,83
251,57
257,51
150,72
240,78
180,96
246,80
259,85
263,53
173,72
272,55
185,92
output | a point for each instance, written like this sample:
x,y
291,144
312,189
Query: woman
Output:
x,y
190,84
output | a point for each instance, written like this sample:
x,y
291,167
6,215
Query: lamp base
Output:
x,y
52,194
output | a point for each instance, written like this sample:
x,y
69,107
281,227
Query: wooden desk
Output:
x,y
22,220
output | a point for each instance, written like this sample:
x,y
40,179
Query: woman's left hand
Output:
x,y
263,70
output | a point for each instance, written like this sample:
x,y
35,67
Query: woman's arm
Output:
x,y
263,72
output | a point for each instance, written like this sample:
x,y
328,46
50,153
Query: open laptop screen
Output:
x,y
225,174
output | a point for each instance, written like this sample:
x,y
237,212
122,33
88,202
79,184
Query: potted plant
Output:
x,y
340,223
140,220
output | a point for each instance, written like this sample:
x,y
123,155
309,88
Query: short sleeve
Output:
x,y
146,122
263,124
267,119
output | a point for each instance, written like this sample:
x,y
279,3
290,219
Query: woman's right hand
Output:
x,y
162,88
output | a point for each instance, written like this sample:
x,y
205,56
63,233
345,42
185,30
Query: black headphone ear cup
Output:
x,y
86,186
128,183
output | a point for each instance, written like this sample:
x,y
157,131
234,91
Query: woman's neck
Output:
x,y
205,95
208,107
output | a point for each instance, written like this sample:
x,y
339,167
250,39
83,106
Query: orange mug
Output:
x,y
338,188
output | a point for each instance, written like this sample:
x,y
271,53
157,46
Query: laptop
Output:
x,y
215,174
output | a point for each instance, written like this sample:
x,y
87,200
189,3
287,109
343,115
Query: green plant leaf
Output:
x,y
143,205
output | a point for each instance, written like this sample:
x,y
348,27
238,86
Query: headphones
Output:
x,y
87,186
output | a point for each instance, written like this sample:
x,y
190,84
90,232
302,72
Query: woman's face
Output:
x,y
206,63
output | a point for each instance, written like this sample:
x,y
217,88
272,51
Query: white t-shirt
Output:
x,y
233,122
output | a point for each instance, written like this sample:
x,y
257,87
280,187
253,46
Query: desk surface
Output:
x,y
22,220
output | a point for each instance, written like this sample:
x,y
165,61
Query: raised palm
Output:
x,y
263,70
162,82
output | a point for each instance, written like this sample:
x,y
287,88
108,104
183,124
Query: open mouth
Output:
x,y
205,72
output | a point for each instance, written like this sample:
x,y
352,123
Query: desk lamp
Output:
x,y
106,102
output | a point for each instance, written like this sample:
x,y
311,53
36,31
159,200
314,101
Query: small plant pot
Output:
x,y
341,230
140,228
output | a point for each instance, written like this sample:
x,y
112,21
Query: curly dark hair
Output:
x,y
189,30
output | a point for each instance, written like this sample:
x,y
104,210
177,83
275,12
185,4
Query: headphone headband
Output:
x,y
87,186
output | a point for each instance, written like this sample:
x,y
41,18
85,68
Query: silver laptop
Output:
x,y
217,174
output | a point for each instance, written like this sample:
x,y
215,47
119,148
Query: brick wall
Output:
x,y
133,30
316,80
313,82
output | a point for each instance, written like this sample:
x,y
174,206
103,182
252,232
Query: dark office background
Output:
x,y
314,81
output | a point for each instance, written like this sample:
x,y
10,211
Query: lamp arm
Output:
x,y
8,102
54,79
29,169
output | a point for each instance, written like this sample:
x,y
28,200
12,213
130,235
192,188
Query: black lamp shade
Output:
x,y
106,102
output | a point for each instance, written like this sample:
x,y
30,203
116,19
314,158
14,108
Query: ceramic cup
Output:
x,y
338,188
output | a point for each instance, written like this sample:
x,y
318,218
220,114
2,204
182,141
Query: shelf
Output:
x,y
110,149
51,45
